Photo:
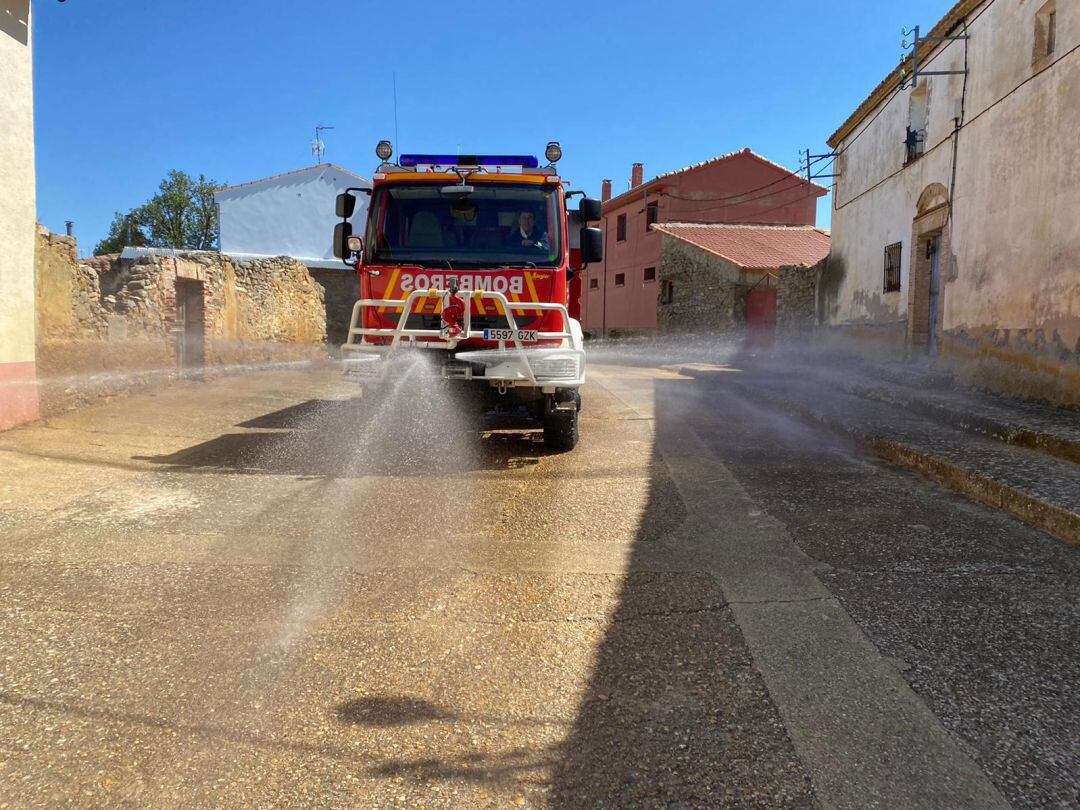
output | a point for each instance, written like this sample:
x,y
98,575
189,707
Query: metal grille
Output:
x,y
913,144
892,267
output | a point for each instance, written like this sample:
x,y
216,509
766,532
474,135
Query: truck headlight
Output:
x,y
555,368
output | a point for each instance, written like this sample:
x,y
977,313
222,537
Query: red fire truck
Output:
x,y
471,257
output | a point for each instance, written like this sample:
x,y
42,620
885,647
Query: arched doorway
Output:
x,y
930,247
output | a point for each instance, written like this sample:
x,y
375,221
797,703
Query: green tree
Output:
x,y
182,215
125,230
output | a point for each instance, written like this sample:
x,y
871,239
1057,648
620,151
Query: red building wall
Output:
x,y
737,188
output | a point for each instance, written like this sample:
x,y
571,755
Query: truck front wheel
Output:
x,y
561,424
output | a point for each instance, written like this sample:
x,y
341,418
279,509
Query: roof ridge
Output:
x,y
746,151
295,171
737,225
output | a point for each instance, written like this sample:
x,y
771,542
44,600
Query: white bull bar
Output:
x,y
519,365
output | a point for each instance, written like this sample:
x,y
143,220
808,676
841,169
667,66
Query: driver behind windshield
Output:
x,y
525,232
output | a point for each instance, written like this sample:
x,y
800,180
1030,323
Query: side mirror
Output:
x,y
592,245
589,210
346,204
342,232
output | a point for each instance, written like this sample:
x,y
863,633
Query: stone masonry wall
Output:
x,y
341,290
106,324
796,299
708,292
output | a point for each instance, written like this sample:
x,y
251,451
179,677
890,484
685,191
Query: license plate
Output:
x,y
523,335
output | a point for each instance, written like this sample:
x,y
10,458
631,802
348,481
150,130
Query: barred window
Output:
x,y
892,267
620,279
650,274
620,228
594,284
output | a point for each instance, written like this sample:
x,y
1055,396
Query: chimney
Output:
x,y
70,227
636,172
605,191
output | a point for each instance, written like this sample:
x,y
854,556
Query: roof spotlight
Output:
x,y
384,150
553,153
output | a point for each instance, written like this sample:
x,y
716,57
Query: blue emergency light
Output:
x,y
524,161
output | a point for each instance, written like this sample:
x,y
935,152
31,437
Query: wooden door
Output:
x,y
190,326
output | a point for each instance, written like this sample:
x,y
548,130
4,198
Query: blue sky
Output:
x,y
128,89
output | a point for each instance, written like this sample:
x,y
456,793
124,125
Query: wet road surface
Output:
x,y
259,591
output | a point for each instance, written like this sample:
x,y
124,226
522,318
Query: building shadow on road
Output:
x,y
675,714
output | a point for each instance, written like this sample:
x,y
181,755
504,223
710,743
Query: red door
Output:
x,y
761,315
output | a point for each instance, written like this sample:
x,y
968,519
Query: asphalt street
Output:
x,y
261,590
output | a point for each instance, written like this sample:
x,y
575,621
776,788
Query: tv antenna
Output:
x,y
318,147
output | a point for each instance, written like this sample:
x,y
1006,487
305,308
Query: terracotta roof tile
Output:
x,y
754,247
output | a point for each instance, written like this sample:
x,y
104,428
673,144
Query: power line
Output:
x,y
796,186
965,125
884,104
808,192
749,191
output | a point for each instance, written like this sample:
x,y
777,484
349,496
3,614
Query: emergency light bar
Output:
x,y
524,161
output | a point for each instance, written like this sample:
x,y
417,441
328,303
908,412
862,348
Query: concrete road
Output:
x,y
259,591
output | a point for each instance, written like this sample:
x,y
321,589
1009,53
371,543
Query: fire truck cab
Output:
x,y
470,257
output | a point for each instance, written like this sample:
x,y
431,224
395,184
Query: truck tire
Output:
x,y
561,430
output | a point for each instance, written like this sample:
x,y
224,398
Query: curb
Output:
x,y
1017,435
1054,520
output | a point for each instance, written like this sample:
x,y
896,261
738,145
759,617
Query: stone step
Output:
x,y
1055,431
1040,489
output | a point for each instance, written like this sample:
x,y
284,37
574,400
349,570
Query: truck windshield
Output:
x,y
498,224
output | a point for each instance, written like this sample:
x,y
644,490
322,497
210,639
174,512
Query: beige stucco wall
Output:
x,y
17,226
1011,288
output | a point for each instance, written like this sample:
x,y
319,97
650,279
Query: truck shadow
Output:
x,y
350,438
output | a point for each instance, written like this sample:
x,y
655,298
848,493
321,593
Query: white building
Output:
x,y
962,239
290,214
18,368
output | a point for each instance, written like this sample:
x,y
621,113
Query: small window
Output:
x,y
667,292
650,274
620,228
594,284
1045,32
918,116
892,268
620,279
652,215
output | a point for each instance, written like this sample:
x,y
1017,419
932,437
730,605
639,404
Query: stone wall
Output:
x,y
796,299
341,290
107,324
708,293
